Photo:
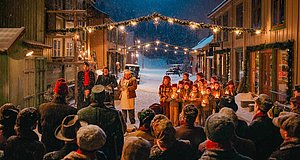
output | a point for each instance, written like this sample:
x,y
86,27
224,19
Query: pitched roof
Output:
x,y
8,36
217,8
36,44
204,42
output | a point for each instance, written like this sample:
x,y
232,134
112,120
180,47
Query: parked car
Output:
x,y
135,69
174,69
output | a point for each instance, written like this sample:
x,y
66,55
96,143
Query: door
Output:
x,y
266,73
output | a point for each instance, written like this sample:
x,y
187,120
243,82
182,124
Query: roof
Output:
x,y
36,44
218,7
204,42
93,4
8,36
133,65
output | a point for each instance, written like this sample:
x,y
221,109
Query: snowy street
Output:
x,y
147,92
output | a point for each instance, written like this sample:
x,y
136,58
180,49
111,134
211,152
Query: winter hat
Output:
x,y
98,93
8,114
190,113
229,112
68,128
61,87
219,128
289,122
174,85
90,138
264,102
228,101
163,129
156,107
135,148
86,63
27,118
146,115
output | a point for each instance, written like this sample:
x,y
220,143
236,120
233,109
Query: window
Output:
x,y
219,22
69,48
278,15
225,23
56,48
239,18
256,14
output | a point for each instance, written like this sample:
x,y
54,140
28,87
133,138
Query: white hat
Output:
x,y
90,138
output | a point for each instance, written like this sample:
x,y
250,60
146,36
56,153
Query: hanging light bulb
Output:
x,y
193,25
133,23
175,52
167,45
185,49
156,20
237,32
195,51
156,48
171,20
258,31
110,27
176,47
90,30
129,47
215,29
147,45
122,28
165,50
157,42
184,52
139,46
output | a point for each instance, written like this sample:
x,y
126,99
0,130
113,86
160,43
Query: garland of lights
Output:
x,y
280,45
157,43
156,17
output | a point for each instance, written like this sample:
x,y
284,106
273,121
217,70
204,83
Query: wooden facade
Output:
x,y
267,68
24,76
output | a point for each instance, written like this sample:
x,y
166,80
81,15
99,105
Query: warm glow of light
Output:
x,y
133,23
90,30
137,55
165,50
167,45
184,52
237,32
216,30
129,47
122,28
111,27
170,20
193,25
175,51
185,49
155,48
156,18
258,31
157,42
147,45
119,49
76,36
29,53
195,51
138,41
139,46
146,50
176,47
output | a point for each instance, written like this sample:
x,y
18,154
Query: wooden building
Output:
x,y
23,67
267,61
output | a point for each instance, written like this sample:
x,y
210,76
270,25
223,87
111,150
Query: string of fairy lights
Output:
x,y
156,18
158,45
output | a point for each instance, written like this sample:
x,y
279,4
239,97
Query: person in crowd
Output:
x,y
218,92
144,130
52,114
186,79
136,148
261,130
108,119
90,139
65,132
295,104
164,92
166,145
186,94
195,99
199,77
230,88
180,91
174,100
289,124
297,91
208,105
219,131
213,79
228,101
26,144
187,129
244,146
8,116
127,87
110,82
86,81
157,108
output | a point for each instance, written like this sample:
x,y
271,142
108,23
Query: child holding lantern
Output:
x,y
186,94
217,92
195,99
174,106
208,104
180,91
164,93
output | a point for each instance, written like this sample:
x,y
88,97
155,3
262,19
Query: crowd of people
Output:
x,y
194,120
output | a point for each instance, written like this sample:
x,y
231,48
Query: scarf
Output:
x,y
86,81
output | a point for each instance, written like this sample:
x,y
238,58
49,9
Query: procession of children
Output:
x,y
203,94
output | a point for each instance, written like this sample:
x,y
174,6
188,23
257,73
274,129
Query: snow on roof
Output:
x,y
204,42
218,7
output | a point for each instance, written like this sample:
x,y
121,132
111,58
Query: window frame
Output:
x,y
254,14
278,25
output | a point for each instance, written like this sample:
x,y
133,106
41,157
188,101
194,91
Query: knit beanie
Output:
x,y
61,87
90,138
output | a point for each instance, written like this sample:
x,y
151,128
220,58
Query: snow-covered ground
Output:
x,y
147,92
